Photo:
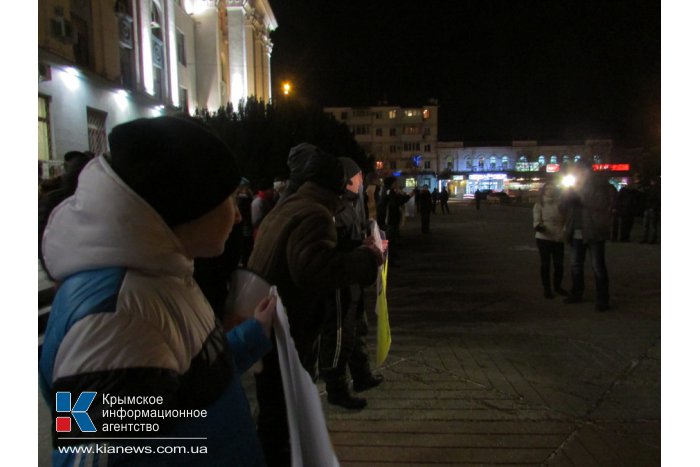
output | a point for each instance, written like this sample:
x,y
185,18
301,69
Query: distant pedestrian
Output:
x,y
548,221
626,205
444,196
587,228
435,195
392,200
425,206
477,199
652,211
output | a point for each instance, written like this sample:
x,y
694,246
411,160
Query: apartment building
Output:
x,y
402,140
104,62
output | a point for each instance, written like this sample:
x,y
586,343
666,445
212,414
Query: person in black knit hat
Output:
x,y
129,320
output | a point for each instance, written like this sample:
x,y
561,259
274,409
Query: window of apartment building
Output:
x,y
481,162
44,129
81,19
392,131
505,163
553,159
360,113
468,163
541,160
379,165
362,130
410,113
343,115
125,20
426,165
577,158
392,114
426,114
378,132
492,163
426,148
157,52
565,159
378,115
181,56
184,100
410,130
392,165
597,159
97,131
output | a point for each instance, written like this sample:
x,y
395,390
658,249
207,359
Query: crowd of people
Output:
x,y
143,242
585,217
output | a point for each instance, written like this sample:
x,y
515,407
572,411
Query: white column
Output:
x,y
237,57
207,60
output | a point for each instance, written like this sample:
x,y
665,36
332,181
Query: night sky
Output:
x,y
549,70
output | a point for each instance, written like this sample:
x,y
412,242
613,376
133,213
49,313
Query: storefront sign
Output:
x,y
611,167
487,177
552,168
527,166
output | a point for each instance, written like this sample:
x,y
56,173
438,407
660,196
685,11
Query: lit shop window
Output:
x,y
97,133
44,129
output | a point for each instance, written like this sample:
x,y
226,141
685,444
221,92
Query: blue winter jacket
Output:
x,y
132,349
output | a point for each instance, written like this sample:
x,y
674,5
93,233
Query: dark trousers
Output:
x,y
650,222
444,207
425,223
273,429
393,235
626,223
343,345
600,271
551,253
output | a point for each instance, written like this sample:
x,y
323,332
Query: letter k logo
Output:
x,y
78,411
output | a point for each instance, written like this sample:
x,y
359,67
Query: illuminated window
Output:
x,y
541,160
565,159
181,56
410,113
157,53
426,114
553,159
597,159
44,129
577,158
184,101
505,162
392,114
97,134
379,165
492,163
125,23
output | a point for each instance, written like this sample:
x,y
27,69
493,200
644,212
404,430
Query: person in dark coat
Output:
x,y
444,196
425,206
435,195
390,203
587,208
477,199
343,340
296,249
652,211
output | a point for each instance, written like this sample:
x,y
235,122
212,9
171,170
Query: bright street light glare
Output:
x,y
568,181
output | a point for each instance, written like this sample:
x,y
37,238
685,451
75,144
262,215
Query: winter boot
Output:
x,y
339,394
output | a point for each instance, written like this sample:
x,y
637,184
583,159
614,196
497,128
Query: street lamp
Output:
x,y
286,88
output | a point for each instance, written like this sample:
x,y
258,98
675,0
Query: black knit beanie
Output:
x,y
175,164
327,171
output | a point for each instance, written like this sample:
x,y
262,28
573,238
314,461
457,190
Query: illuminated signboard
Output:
x,y
611,167
458,177
552,168
527,166
487,177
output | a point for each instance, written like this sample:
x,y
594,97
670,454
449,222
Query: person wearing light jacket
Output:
x,y
129,323
548,221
